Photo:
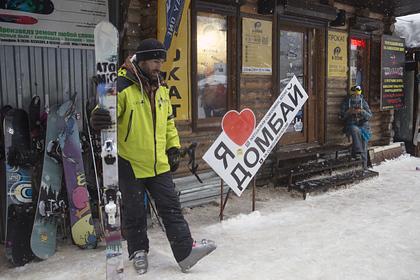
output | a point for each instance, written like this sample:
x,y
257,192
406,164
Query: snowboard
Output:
x,y
106,53
24,20
30,6
19,207
82,228
37,124
43,238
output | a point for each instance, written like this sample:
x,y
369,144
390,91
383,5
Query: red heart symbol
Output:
x,y
239,126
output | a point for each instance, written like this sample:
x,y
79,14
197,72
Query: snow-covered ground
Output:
x,y
369,231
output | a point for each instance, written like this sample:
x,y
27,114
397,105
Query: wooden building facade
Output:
x,y
300,34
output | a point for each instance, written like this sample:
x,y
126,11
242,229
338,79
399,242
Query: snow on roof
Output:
x,y
408,27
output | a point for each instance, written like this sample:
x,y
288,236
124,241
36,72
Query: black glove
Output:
x,y
173,158
100,119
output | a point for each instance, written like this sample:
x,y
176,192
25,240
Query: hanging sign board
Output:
x,y
337,54
392,73
256,46
240,150
57,23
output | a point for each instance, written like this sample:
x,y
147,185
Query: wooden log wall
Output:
x,y
336,92
381,122
256,91
140,23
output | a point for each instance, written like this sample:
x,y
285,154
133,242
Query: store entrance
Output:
x,y
300,55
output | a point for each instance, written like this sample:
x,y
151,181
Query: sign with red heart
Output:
x,y
241,148
239,126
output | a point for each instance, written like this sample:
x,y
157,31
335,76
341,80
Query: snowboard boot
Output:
x,y
199,251
140,261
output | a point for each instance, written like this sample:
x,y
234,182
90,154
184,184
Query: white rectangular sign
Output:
x,y
238,164
51,23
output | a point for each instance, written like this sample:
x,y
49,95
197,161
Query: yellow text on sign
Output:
x,y
337,54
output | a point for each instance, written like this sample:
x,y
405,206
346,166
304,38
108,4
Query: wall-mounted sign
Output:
x,y
240,150
392,73
256,46
337,54
51,23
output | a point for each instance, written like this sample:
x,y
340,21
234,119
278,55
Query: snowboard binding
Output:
x,y
52,208
112,201
16,157
109,152
54,151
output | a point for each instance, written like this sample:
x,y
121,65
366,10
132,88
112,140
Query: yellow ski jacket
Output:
x,y
146,126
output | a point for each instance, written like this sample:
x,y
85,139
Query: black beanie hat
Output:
x,y
150,49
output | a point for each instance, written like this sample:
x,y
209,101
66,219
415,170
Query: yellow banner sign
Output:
x,y
256,46
337,54
176,67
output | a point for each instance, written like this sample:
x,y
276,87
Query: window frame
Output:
x,y
316,79
213,123
366,62
297,137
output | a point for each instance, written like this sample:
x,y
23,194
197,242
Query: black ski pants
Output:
x,y
162,190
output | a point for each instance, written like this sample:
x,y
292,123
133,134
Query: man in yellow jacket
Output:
x,y
148,149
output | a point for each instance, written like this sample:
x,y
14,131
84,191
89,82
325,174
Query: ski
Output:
x,y
106,52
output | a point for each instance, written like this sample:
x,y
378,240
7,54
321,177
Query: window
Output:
x,y
212,77
357,63
292,64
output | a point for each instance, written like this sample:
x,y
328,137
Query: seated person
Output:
x,y
356,113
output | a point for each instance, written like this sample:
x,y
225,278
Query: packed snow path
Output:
x,y
369,231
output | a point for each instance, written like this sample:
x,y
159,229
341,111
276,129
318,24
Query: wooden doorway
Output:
x,y
301,53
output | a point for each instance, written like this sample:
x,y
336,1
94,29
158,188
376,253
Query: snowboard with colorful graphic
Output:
x,y
19,207
82,228
30,6
106,52
49,208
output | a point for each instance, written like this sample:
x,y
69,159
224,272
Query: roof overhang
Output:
x,y
395,8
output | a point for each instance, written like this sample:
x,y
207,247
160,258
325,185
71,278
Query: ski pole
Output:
x,y
96,173
154,211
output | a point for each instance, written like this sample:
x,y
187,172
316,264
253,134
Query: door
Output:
x,y
300,55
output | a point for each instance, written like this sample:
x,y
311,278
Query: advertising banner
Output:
x,y
173,31
392,73
256,46
240,150
51,23
337,54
